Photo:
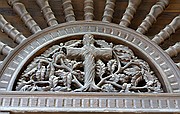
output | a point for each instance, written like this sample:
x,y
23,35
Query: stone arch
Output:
x,y
112,34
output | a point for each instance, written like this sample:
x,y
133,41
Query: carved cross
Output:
x,y
89,53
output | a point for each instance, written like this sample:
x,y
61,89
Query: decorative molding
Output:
x,y
155,11
20,9
105,47
70,102
173,50
167,31
47,12
129,13
5,49
108,11
167,70
89,65
68,10
88,10
6,27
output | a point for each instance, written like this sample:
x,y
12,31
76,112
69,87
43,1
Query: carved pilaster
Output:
x,y
88,10
108,11
167,31
68,10
173,50
5,49
20,9
129,13
6,27
47,12
155,11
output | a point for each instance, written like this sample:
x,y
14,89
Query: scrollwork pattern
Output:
x,y
88,65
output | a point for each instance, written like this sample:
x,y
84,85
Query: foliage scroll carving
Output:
x,y
88,65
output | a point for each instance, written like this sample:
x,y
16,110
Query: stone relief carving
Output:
x,y
88,65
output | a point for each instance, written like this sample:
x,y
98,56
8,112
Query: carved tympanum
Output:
x,y
88,65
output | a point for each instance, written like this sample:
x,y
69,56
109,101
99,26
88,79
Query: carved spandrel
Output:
x,y
167,31
5,49
68,10
155,11
20,9
129,13
47,12
108,11
173,50
88,65
88,10
6,27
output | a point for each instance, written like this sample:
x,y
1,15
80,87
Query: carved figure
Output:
x,y
88,65
89,52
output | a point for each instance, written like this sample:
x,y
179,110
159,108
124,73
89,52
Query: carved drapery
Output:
x,y
88,65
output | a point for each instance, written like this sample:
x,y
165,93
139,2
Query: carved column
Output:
x,y
129,13
167,31
68,10
5,49
6,27
88,10
108,11
155,11
173,50
47,12
20,9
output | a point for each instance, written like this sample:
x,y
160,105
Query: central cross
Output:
x,y
89,53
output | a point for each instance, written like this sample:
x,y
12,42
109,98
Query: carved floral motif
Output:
x,y
88,65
